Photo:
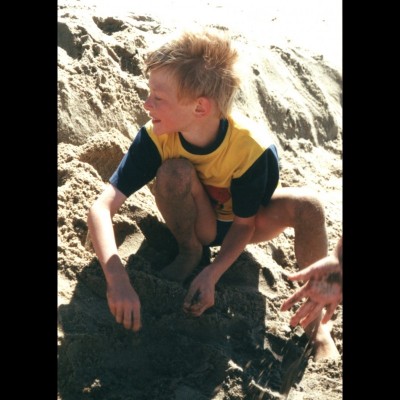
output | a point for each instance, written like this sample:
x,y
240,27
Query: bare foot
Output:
x,y
184,263
324,346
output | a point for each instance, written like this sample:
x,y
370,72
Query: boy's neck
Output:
x,y
204,133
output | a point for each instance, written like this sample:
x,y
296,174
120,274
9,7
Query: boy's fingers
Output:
x,y
194,304
113,309
191,298
128,319
301,313
137,323
197,309
119,314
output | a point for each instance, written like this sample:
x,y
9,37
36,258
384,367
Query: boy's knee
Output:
x,y
174,176
309,206
175,169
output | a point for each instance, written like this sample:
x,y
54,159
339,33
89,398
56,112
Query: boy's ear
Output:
x,y
203,107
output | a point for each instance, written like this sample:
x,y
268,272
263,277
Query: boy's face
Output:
x,y
166,111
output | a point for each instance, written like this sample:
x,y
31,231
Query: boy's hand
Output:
x,y
201,294
124,304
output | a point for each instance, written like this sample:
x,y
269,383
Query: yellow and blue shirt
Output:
x,y
239,170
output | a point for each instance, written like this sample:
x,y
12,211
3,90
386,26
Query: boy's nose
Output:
x,y
147,104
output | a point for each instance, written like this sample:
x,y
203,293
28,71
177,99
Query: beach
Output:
x,y
243,347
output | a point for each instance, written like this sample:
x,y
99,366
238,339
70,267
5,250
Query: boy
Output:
x,y
216,179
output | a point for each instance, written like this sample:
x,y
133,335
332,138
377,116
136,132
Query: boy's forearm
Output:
x,y
234,243
103,240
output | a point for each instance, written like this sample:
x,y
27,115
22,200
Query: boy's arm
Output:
x,y
122,298
203,286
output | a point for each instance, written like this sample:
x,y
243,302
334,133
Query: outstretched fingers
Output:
x,y
317,270
292,300
313,313
330,309
304,310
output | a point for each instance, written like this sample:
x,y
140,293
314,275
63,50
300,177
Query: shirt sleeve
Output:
x,y
138,166
256,186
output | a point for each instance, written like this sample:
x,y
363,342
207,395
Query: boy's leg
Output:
x,y
297,208
188,213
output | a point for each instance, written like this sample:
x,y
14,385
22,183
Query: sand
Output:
x,y
243,347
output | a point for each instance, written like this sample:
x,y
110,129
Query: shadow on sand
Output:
x,y
174,356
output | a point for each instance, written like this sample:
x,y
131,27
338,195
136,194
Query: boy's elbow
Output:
x,y
93,211
106,205
99,209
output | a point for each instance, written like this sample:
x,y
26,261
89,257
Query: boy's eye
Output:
x,y
157,98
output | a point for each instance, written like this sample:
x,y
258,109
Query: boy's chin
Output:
x,y
159,132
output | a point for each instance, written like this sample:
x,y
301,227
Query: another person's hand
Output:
x,y
124,304
323,289
201,294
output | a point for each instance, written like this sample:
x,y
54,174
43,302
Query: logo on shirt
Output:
x,y
218,195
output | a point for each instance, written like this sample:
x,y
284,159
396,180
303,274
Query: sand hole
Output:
x,y
128,238
104,156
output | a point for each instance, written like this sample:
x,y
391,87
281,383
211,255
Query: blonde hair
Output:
x,y
203,64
